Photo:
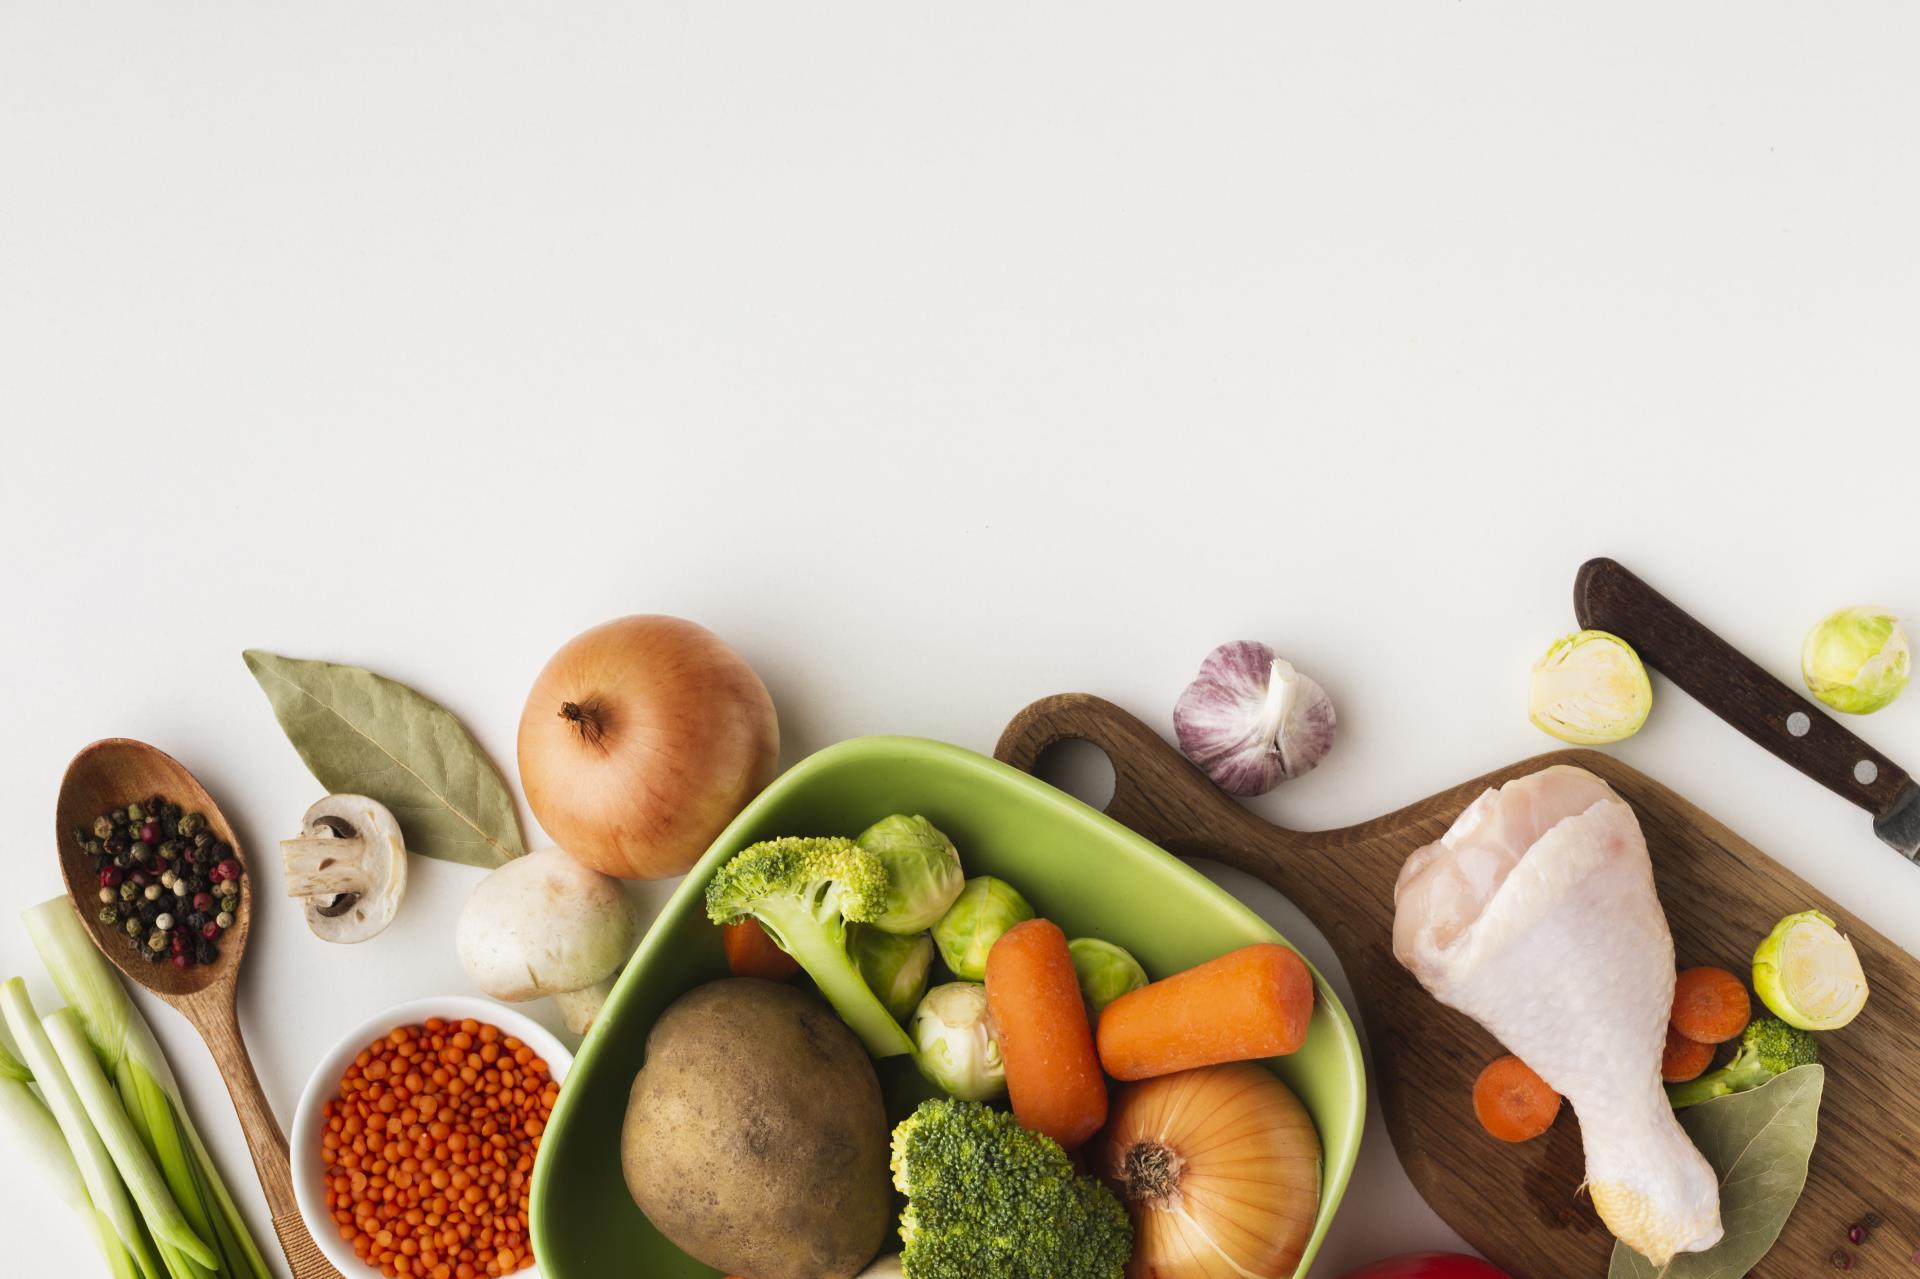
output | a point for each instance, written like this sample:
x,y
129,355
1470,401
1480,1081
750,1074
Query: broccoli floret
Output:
x,y
987,1197
804,892
1769,1047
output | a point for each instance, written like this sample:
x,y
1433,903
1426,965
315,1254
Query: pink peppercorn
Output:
x,y
149,834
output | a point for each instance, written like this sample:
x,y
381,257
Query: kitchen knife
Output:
x,y
1606,597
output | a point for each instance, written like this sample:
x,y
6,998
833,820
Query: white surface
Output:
x,y
308,1128
940,357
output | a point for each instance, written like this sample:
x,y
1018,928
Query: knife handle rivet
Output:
x,y
1798,724
1865,772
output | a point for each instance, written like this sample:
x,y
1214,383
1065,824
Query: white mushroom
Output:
x,y
544,924
350,864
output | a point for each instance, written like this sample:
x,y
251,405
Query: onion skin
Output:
x,y
1220,1171
642,738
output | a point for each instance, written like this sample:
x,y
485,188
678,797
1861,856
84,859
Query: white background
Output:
x,y
939,357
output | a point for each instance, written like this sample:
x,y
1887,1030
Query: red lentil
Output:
x,y
430,1146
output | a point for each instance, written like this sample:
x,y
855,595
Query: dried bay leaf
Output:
x,y
364,734
1759,1143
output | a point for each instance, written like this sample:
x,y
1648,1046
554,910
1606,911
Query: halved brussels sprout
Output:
x,y
1590,689
1856,660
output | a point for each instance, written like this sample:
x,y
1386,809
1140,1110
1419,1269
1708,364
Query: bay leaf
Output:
x,y
364,734
1759,1143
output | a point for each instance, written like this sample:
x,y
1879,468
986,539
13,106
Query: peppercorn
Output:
x,y
197,919
132,928
109,915
203,902
209,930
206,952
128,892
156,940
117,843
95,848
153,956
172,811
192,824
123,861
1857,1233
119,816
1841,1259
224,919
111,876
135,812
202,837
151,892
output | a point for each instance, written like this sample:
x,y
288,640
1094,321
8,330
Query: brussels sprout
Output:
x,y
1106,972
1857,660
954,1043
923,871
1590,689
895,967
1808,973
985,908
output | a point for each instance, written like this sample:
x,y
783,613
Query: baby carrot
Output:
x,y
751,953
1684,1058
1252,1002
1710,1005
1512,1102
1033,997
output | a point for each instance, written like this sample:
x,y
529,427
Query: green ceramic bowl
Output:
x,y
1078,867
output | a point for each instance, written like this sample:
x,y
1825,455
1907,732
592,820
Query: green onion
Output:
x,y
97,1173
137,1169
145,1083
35,1131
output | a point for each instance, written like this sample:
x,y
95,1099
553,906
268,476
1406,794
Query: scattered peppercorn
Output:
x,y
1841,1259
1857,1233
429,1147
165,879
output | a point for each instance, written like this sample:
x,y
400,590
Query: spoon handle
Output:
x,y
220,1027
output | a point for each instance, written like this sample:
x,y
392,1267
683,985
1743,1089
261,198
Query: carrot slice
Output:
x,y
1684,1058
751,953
1512,1102
1253,1002
1033,997
1710,1005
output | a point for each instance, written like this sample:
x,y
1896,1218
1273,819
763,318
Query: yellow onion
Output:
x,y
641,740
1220,1171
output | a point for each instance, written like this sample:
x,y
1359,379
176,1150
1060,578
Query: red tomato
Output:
x,y
1429,1265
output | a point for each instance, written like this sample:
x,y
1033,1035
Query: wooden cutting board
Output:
x,y
1521,1205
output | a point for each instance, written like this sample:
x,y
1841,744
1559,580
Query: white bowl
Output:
x,y
309,1122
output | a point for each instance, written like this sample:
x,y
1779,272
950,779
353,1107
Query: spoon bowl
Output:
x,y
111,774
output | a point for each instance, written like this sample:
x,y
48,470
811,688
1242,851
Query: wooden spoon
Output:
x,y
111,774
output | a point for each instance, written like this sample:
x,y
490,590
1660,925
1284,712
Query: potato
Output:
x,y
755,1137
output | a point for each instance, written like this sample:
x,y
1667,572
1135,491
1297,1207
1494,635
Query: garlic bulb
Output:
x,y
1250,721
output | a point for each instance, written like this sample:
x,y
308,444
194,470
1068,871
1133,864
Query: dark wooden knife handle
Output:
x,y
1606,597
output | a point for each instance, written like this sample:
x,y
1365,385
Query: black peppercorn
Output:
x,y
197,920
123,860
95,848
117,844
206,952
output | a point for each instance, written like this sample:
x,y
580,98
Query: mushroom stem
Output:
x,y
578,1008
325,865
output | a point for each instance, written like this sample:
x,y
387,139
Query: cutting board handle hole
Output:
x,y
1080,768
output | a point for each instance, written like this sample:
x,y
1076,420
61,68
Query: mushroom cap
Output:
x,y
382,857
544,924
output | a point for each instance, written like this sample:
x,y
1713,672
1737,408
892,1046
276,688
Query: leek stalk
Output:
x,y
35,1131
97,1173
147,1090
137,1169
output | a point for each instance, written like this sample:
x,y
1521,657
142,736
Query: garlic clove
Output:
x,y
1251,721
